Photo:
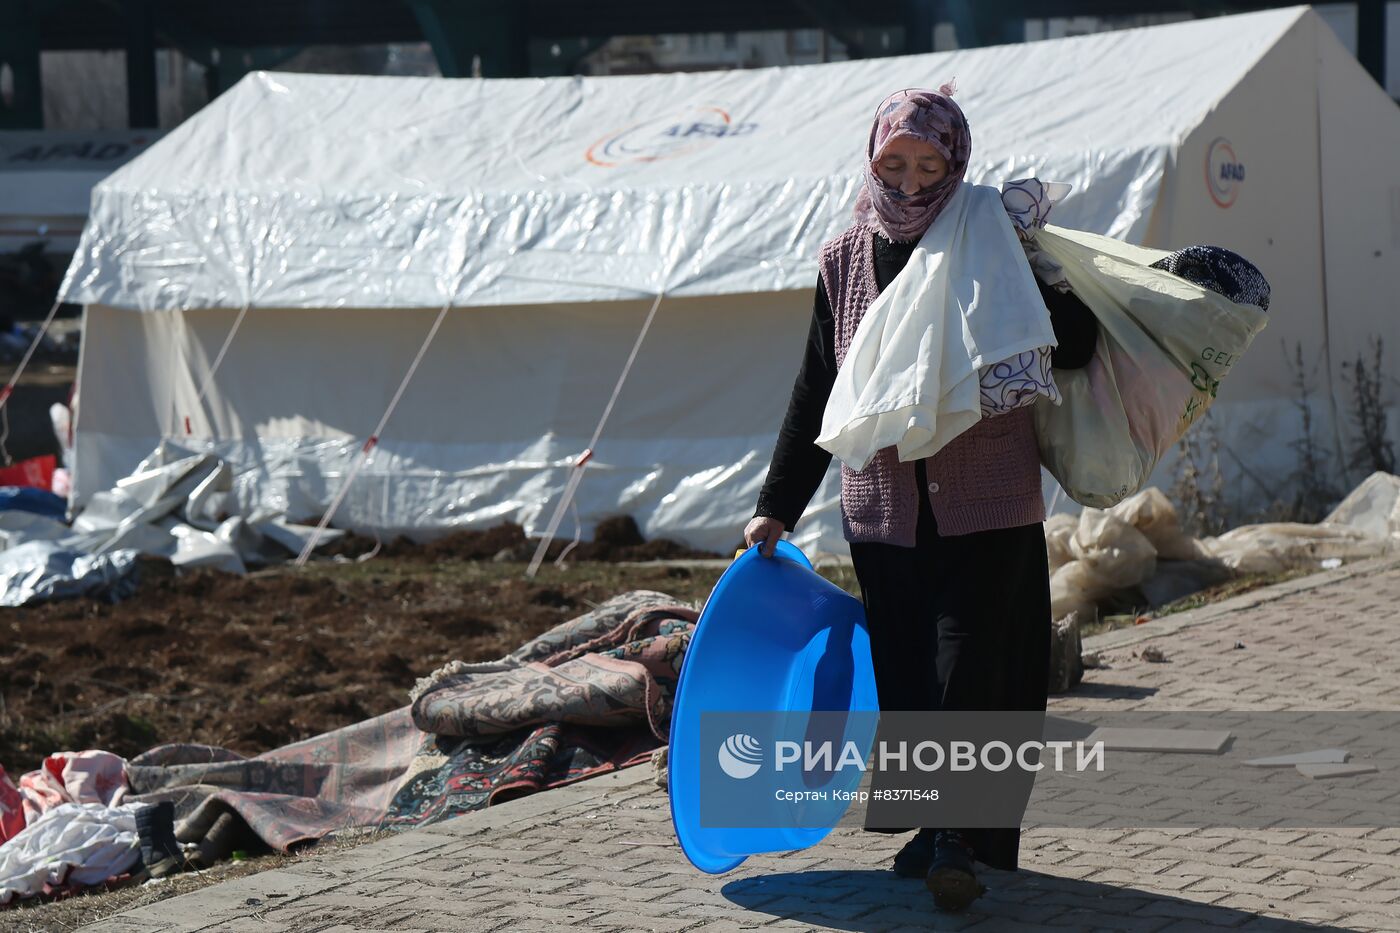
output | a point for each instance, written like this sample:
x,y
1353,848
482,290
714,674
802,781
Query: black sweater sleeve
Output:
x,y
798,464
1076,330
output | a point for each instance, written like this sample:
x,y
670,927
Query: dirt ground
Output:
x,y
255,662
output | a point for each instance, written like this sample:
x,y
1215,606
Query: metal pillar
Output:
x,y
980,24
23,107
1370,37
491,33
920,16
836,20
142,108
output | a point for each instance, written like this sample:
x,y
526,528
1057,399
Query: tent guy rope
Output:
x,y
208,379
576,474
373,440
14,380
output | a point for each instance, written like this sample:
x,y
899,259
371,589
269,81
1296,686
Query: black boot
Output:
x,y
950,876
155,827
914,859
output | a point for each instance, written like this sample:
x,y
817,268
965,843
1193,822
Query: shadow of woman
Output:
x,y
877,900
1099,690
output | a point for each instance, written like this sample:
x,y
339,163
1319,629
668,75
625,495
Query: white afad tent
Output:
x,y
260,282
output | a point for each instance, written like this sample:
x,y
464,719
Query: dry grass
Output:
x,y
1211,594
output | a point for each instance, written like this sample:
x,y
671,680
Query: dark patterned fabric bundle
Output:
x,y
1220,270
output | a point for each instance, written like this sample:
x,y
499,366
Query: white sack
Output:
x,y
1073,589
1116,553
1108,555
1059,528
1152,513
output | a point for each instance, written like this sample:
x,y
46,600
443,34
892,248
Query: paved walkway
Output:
x,y
601,855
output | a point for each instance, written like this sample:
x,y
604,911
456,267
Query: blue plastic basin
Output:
x,y
774,635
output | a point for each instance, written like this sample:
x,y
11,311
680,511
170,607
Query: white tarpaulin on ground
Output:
x,y
345,211
177,505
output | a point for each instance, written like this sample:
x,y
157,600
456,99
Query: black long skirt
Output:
x,y
960,623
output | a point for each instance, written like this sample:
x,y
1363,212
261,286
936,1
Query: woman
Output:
x,y
949,550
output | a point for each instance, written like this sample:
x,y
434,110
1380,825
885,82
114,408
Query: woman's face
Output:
x,y
911,165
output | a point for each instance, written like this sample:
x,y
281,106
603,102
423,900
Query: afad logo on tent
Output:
x,y
1224,172
667,137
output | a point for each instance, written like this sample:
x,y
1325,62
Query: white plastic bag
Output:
x,y
1106,555
1372,508
1164,345
1116,554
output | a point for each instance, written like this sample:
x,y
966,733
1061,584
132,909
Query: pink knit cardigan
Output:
x,y
987,477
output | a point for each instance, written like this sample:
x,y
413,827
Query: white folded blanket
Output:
x,y
966,298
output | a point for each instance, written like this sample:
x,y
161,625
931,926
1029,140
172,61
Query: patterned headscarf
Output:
x,y
930,116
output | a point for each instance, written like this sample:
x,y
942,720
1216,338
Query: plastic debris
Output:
x,y
1372,508
177,504
43,570
1275,547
